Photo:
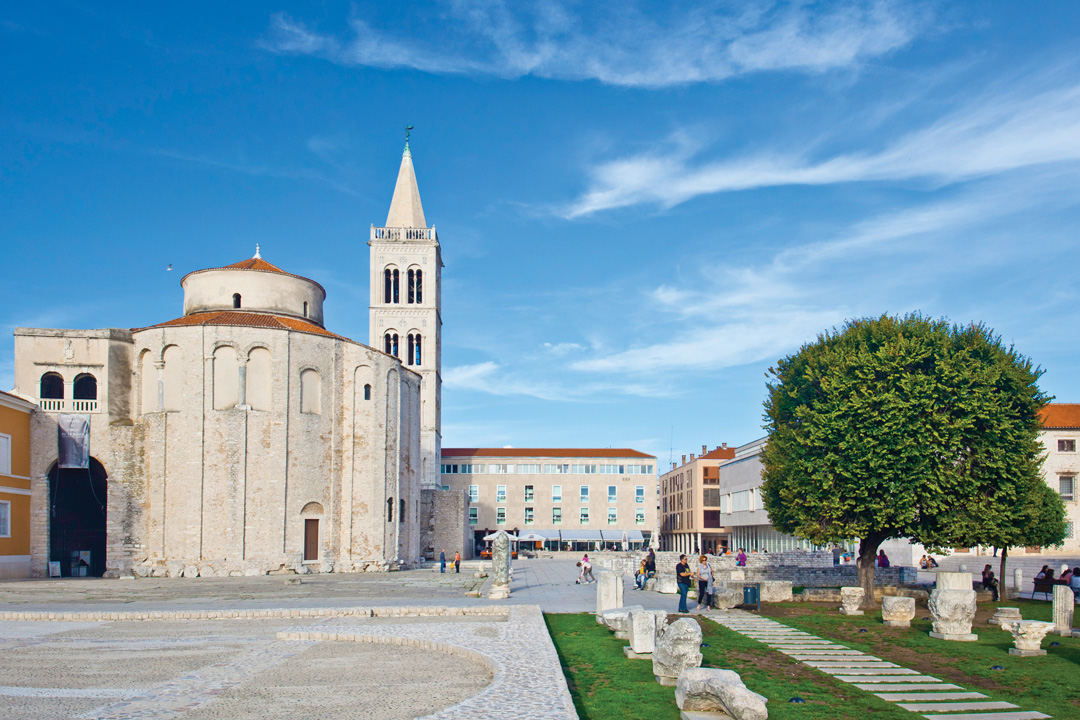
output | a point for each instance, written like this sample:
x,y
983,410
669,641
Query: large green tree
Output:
x,y
899,427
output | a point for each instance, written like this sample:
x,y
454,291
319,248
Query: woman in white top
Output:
x,y
705,580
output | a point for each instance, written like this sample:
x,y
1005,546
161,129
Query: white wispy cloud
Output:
x,y
619,43
994,134
495,379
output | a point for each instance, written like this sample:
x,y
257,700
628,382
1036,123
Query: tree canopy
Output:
x,y
902,427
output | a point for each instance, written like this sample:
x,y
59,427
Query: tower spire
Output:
x,y
405,208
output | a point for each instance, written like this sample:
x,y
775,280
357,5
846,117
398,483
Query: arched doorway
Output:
x,y
77,511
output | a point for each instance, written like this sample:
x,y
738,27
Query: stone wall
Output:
x,y
800,568
443,523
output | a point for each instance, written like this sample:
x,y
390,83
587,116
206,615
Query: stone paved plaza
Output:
x,y
383,646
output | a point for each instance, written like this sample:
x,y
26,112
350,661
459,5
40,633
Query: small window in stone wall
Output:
x,y
401,511
1067,445
390,509
310,392
367,392
236,300
1069,530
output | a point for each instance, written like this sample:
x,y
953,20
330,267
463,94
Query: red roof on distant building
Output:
x,y
1061,416
248,319
255,263
720,453
546,452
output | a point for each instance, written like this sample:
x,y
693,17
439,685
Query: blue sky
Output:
x,y
640,210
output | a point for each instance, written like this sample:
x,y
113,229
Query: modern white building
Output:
x,y
573,498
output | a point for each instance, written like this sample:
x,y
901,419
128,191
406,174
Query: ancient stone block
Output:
x,y
609,587
719,691
666,584
726,598
897,611
618,619
776,591
952,612
1064,606
645,627
1004,614
678,649
953,581
850,600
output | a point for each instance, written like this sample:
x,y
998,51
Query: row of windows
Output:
x,y
741,501
392,289
557,494
414,356
552,469
556,516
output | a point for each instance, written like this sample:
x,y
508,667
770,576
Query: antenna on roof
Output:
x,y
257,251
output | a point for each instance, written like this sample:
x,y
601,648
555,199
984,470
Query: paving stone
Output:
x,y
889,687
1022,715
886,678
869,663
869,671
957,706
916,696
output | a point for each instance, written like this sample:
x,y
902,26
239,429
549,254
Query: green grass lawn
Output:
x,y
1049,684
607,686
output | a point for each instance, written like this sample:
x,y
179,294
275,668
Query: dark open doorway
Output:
x,y
77,519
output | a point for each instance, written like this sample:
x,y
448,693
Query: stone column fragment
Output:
x,y
897,611
1064,607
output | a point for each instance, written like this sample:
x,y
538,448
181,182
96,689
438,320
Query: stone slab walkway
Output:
x,y
907,688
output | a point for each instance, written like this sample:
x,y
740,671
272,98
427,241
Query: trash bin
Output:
x,y
750,594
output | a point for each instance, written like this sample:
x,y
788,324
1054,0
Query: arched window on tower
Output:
x,y
367,392
52,387
419,286
388,286
389,509
397,289
409,356
414,349
236,300
412,286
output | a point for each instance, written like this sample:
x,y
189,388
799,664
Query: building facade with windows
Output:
x,y
14,486
1061,438
713,503
243,436
572,497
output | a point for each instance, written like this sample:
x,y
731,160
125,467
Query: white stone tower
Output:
x,y
406,283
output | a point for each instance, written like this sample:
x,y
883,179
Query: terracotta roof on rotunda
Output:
x,y
248,319
1061,416
545,452
258,264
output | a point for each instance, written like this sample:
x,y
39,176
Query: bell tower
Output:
x,y
406,285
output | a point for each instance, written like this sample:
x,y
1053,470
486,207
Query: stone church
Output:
x,y
245,437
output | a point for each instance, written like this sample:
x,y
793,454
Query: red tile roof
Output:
x,y
720,453
256,263
1061,416
545,452
247,319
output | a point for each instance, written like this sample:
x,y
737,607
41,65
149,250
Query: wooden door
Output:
x,y
311,539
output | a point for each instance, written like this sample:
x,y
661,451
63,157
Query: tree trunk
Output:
x,y
1002,592
866,562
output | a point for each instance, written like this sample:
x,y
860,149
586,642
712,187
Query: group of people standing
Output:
x,y
685,577
456,561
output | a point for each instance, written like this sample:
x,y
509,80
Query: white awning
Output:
x,y
513,538
535,536
580,535
617,535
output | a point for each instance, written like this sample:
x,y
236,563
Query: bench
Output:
x,y
1046,587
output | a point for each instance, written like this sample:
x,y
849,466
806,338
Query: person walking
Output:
x,y
442,560
705,580
683,577
740,559
457,561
